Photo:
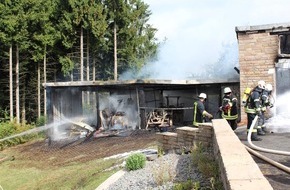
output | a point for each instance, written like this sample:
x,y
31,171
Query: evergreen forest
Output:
x,y
67,40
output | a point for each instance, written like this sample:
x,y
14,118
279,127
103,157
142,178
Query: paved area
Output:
x,y
279,179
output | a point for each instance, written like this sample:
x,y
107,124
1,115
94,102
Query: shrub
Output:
x,y
15,134
207,165
40,121
160,151
135,161
163,174
187,185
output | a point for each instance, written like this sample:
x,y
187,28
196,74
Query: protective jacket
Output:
x,y
229,107
266,100
254,102
198,110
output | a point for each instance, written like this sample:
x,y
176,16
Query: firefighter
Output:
x,y
266,103
229,108
199,112
253,109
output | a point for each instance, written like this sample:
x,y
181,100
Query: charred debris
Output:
x,y
109,108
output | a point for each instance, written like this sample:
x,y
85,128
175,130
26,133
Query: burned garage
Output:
x,y
119,106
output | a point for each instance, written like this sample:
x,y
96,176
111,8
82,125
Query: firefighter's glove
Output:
x,y
208,115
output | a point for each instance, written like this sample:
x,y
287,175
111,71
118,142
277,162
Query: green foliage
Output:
x,y
216,184
73,175
160,151
67,65
41,121
48,31
204,160
135,161
11,130
187,185
4,115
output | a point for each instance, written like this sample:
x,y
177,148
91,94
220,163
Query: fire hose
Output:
x,y
274,163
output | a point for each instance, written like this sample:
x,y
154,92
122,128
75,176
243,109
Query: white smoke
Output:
x,y
167,68
280,122
115,103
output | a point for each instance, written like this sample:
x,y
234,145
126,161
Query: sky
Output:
x,y
200,34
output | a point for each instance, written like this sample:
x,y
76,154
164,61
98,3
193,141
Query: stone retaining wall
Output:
x,y
237,168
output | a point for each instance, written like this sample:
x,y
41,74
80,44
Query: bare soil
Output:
x,y
83,150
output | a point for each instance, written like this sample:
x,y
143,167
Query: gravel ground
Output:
x,y
160,173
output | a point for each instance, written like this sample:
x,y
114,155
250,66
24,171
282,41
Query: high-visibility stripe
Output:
x,y
249,110
229,117
253,130
196,124
194,116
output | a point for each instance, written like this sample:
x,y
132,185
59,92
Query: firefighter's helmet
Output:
x,y
227,90
261,84
268,87
202,95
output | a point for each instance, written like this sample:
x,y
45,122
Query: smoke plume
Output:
x,y
168,67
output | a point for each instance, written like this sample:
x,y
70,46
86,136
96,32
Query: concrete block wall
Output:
x,y
185,138
238,170
257,56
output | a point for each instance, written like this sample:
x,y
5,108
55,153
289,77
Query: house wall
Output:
x,y
257,55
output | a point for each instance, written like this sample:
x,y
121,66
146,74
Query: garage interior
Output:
x,y
134,104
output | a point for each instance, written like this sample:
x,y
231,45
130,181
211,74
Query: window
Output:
x,y
284,45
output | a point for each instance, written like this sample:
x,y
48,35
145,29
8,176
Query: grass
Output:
x,y
18,174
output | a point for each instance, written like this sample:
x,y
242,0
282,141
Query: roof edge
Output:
x,y
266,27
137,82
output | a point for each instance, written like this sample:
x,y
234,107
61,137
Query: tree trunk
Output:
x,y
17,85
88,66
44,81
115,54
94,69
82,61
88,57
11,82
82,54
23,112
38,90
94,93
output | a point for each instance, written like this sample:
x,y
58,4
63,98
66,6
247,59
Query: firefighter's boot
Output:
x,y
254,137
264,128
261,132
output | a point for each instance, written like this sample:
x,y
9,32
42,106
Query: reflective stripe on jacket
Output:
x,y
230,104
